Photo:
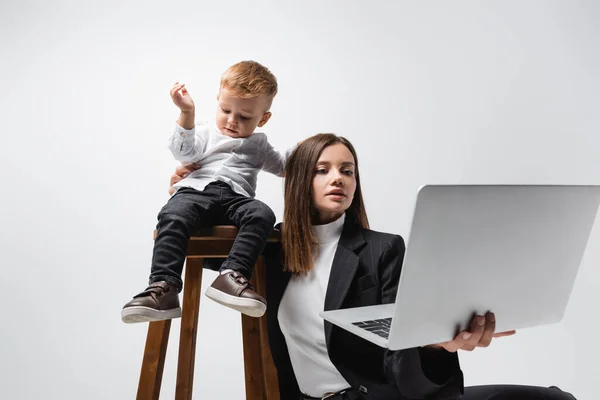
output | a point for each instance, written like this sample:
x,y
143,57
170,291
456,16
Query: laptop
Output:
x,y
511,249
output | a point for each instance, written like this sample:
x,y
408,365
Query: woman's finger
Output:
x,y
488,331
476,329
504,334
185,169
182,171
174,179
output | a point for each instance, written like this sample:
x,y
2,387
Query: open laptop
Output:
x,y
511,249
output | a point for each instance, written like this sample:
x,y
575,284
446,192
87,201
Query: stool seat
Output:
x,y
226,232
259,370
219,232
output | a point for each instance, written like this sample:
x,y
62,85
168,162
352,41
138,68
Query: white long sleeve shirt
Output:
x,y
235,161
301,325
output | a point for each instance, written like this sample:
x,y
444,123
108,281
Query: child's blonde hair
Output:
x,y
249,79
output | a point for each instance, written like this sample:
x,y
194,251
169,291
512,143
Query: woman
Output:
x,y
329,259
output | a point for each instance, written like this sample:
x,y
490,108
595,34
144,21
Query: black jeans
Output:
x,y
189,209
486,392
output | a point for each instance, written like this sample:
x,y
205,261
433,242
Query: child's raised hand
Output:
x,y
181,97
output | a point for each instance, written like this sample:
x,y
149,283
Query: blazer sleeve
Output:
x,y
417,373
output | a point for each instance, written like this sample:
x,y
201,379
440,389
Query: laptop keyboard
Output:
x,y
379,327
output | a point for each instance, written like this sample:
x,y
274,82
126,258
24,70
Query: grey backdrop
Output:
x,y
429,92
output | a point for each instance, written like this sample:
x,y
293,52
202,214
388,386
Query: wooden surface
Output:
x,y
261,376
189,329
224,232
269,373
154,360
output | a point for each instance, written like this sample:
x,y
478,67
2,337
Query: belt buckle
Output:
x,y
330,395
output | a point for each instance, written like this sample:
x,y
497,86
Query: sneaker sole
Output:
x,y
252,308
132,315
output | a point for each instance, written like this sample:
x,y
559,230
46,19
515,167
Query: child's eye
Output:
x,y
244,118
225,111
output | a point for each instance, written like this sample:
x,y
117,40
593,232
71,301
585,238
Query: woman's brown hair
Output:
x,y
297,236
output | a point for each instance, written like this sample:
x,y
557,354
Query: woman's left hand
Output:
x,y
181,172
479,334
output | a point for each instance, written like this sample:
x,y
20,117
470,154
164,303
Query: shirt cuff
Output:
x,y
182,133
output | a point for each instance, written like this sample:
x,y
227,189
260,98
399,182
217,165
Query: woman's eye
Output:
x,y
348,172
321,171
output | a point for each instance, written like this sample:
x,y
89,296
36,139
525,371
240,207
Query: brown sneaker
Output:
x,y
234,291
158,302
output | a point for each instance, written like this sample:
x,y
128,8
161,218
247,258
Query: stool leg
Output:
x,y
189,328
154,360
268,366
253,370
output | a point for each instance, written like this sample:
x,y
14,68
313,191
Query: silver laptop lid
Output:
x,y
511,249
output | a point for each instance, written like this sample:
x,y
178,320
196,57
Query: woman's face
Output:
x,y
334,183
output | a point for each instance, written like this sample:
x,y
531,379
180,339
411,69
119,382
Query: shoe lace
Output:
x,y
155,290
242,281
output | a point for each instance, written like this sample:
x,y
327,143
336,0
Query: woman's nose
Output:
x,y
337,177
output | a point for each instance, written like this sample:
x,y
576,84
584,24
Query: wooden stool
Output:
x,y
260,373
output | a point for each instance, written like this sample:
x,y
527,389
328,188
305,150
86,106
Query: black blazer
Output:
x,y
365,271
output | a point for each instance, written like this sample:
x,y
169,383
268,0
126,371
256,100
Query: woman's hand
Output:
x,y
479,334
181,172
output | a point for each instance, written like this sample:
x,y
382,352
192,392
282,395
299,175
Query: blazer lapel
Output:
x,y
343,269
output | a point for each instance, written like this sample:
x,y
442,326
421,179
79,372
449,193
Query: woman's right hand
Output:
x,y
480,334
181,172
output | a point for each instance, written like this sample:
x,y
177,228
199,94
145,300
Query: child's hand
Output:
x,y
181,97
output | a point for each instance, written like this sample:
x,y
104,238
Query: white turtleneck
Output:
x,y
301,324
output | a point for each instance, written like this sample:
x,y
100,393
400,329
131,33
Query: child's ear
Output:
x,y
264,119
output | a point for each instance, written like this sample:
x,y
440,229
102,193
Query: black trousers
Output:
x,y
487,392
189,209
515,392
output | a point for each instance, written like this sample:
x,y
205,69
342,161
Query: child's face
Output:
x,y
238,117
